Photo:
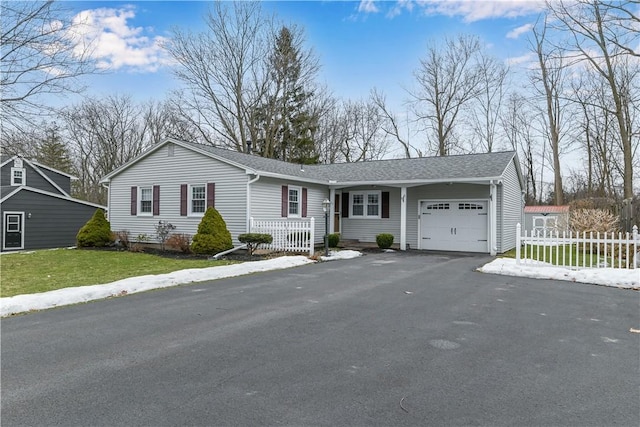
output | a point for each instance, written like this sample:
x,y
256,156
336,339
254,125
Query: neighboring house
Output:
x,y
543,220
36,209
455,203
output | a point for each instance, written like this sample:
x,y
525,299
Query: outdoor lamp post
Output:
x,y
326,204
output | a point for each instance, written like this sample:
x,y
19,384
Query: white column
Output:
x,y
332,209
493,218
403,218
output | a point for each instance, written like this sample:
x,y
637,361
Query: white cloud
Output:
x,y
471,10
115,44
367,6
518,60
517,32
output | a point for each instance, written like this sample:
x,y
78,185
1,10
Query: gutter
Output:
x,y
248,210
218,255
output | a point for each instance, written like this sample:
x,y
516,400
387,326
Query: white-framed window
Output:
x,y
365,204
295,202
18,176
545,226
197,199
146,201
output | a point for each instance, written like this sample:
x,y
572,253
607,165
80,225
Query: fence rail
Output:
x,y
288,235
579,250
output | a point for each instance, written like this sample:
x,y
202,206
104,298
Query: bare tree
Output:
x,y
224,70
447,80
104,135
549,80
40,55
364,138
592,29
391,124
487,106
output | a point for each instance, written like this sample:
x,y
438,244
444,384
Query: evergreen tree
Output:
x,y
52,152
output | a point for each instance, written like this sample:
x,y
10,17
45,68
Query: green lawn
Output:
x,y
549,253
46,270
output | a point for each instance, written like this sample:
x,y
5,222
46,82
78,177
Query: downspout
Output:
x,y
493,225
248,214
108,187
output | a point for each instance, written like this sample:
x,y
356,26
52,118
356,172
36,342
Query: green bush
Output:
x,y
96,232
253,240
384,240
212,236
334,239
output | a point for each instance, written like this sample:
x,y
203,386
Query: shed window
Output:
x,y
18,176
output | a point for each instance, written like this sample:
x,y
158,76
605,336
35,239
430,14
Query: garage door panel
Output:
x,y
454,225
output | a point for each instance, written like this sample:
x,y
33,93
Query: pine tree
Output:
x,y
52,151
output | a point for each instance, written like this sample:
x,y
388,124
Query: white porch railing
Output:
x,y
579,250
288,235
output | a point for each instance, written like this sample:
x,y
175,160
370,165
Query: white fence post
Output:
x,y
636,254
518,240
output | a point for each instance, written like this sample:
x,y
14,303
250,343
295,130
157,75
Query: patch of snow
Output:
x,y
346,254
615,277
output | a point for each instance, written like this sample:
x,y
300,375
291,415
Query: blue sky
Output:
x,y
360,45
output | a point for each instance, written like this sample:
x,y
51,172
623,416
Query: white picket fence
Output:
x,y
288,235
579,250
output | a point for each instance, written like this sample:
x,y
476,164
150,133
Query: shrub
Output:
x,y
334,239
181,242
122,238
140,240
253,240
384,240
212,236
163,228
96,232
593,220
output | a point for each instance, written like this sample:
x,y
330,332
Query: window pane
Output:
x,y
358,210
358,199
372,210
198,199
372,199
145,200
294,201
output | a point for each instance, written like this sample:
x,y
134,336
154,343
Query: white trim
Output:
x,y
493,219
140,188
489,228
57,196
4,228
365,204
56,186
190,212
332,208
299,201
403,218
59,172
23,178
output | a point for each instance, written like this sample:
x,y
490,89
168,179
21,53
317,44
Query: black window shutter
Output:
x,y
304,202
134,200
183,200
345,205
211,195
284,211
156,200
385,204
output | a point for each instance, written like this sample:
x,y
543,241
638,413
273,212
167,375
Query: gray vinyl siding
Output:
x,y
510,208
54,222
455,191
33,178
61,181
366,229
184,167
266,202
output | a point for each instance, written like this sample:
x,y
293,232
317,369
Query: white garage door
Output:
x,y
451,225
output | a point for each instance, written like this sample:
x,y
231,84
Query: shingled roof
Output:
x,y
469,167
458,167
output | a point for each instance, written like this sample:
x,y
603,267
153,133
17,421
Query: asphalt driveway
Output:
x,y
385,339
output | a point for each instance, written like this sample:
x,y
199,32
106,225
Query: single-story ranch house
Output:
x,y
456,203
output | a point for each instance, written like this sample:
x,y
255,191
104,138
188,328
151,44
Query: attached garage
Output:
x,y
454,225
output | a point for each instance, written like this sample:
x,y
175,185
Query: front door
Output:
x,y
13,230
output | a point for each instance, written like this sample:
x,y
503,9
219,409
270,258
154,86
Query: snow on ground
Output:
x,y
66,296
615,277
620,278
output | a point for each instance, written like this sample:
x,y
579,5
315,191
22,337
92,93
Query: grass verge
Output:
x,y
556,255
47,270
